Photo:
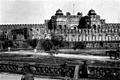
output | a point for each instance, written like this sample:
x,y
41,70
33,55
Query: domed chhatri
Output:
x,y
91,12
59,12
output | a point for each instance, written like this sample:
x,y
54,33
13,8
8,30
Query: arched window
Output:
x,y
94,26
98,26
54,26
65,26
60,26
74,28
30,29
37,29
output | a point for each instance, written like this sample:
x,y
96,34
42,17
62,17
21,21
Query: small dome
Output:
x,y
59,12
79,13
91,12
68,13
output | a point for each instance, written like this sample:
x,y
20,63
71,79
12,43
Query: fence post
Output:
x,y
76,73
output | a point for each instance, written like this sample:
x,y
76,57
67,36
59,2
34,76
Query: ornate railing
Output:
x,y
38,69
102,72
56,70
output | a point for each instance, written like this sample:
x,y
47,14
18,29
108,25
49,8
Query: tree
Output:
x,y
57,40
84,69
101,44
33,43
47,45
79,45
8,44
76,46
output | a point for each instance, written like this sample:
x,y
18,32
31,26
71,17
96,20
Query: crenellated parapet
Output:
x,y
25,30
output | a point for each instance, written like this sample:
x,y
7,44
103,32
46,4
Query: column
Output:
x,y
83,37
70,37
90,37
97,38
80,38
66,38
119,37
110,37
106,38
93,38
87,38
100,38
73,39
103,37
76,73
77,38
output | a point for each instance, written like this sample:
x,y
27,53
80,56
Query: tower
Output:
x,y
92,19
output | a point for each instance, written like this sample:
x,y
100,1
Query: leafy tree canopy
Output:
x,y
47,45
33,43
57,40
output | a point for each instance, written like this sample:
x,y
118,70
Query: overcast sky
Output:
x,y
36,11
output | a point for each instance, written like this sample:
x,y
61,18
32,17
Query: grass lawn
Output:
x,y
96,52
54,60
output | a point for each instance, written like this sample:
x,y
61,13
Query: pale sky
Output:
x,y
36,11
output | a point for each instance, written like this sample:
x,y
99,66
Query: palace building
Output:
x,y
91,30
20,33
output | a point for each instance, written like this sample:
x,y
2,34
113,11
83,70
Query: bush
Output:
x,y
33,43
47,45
